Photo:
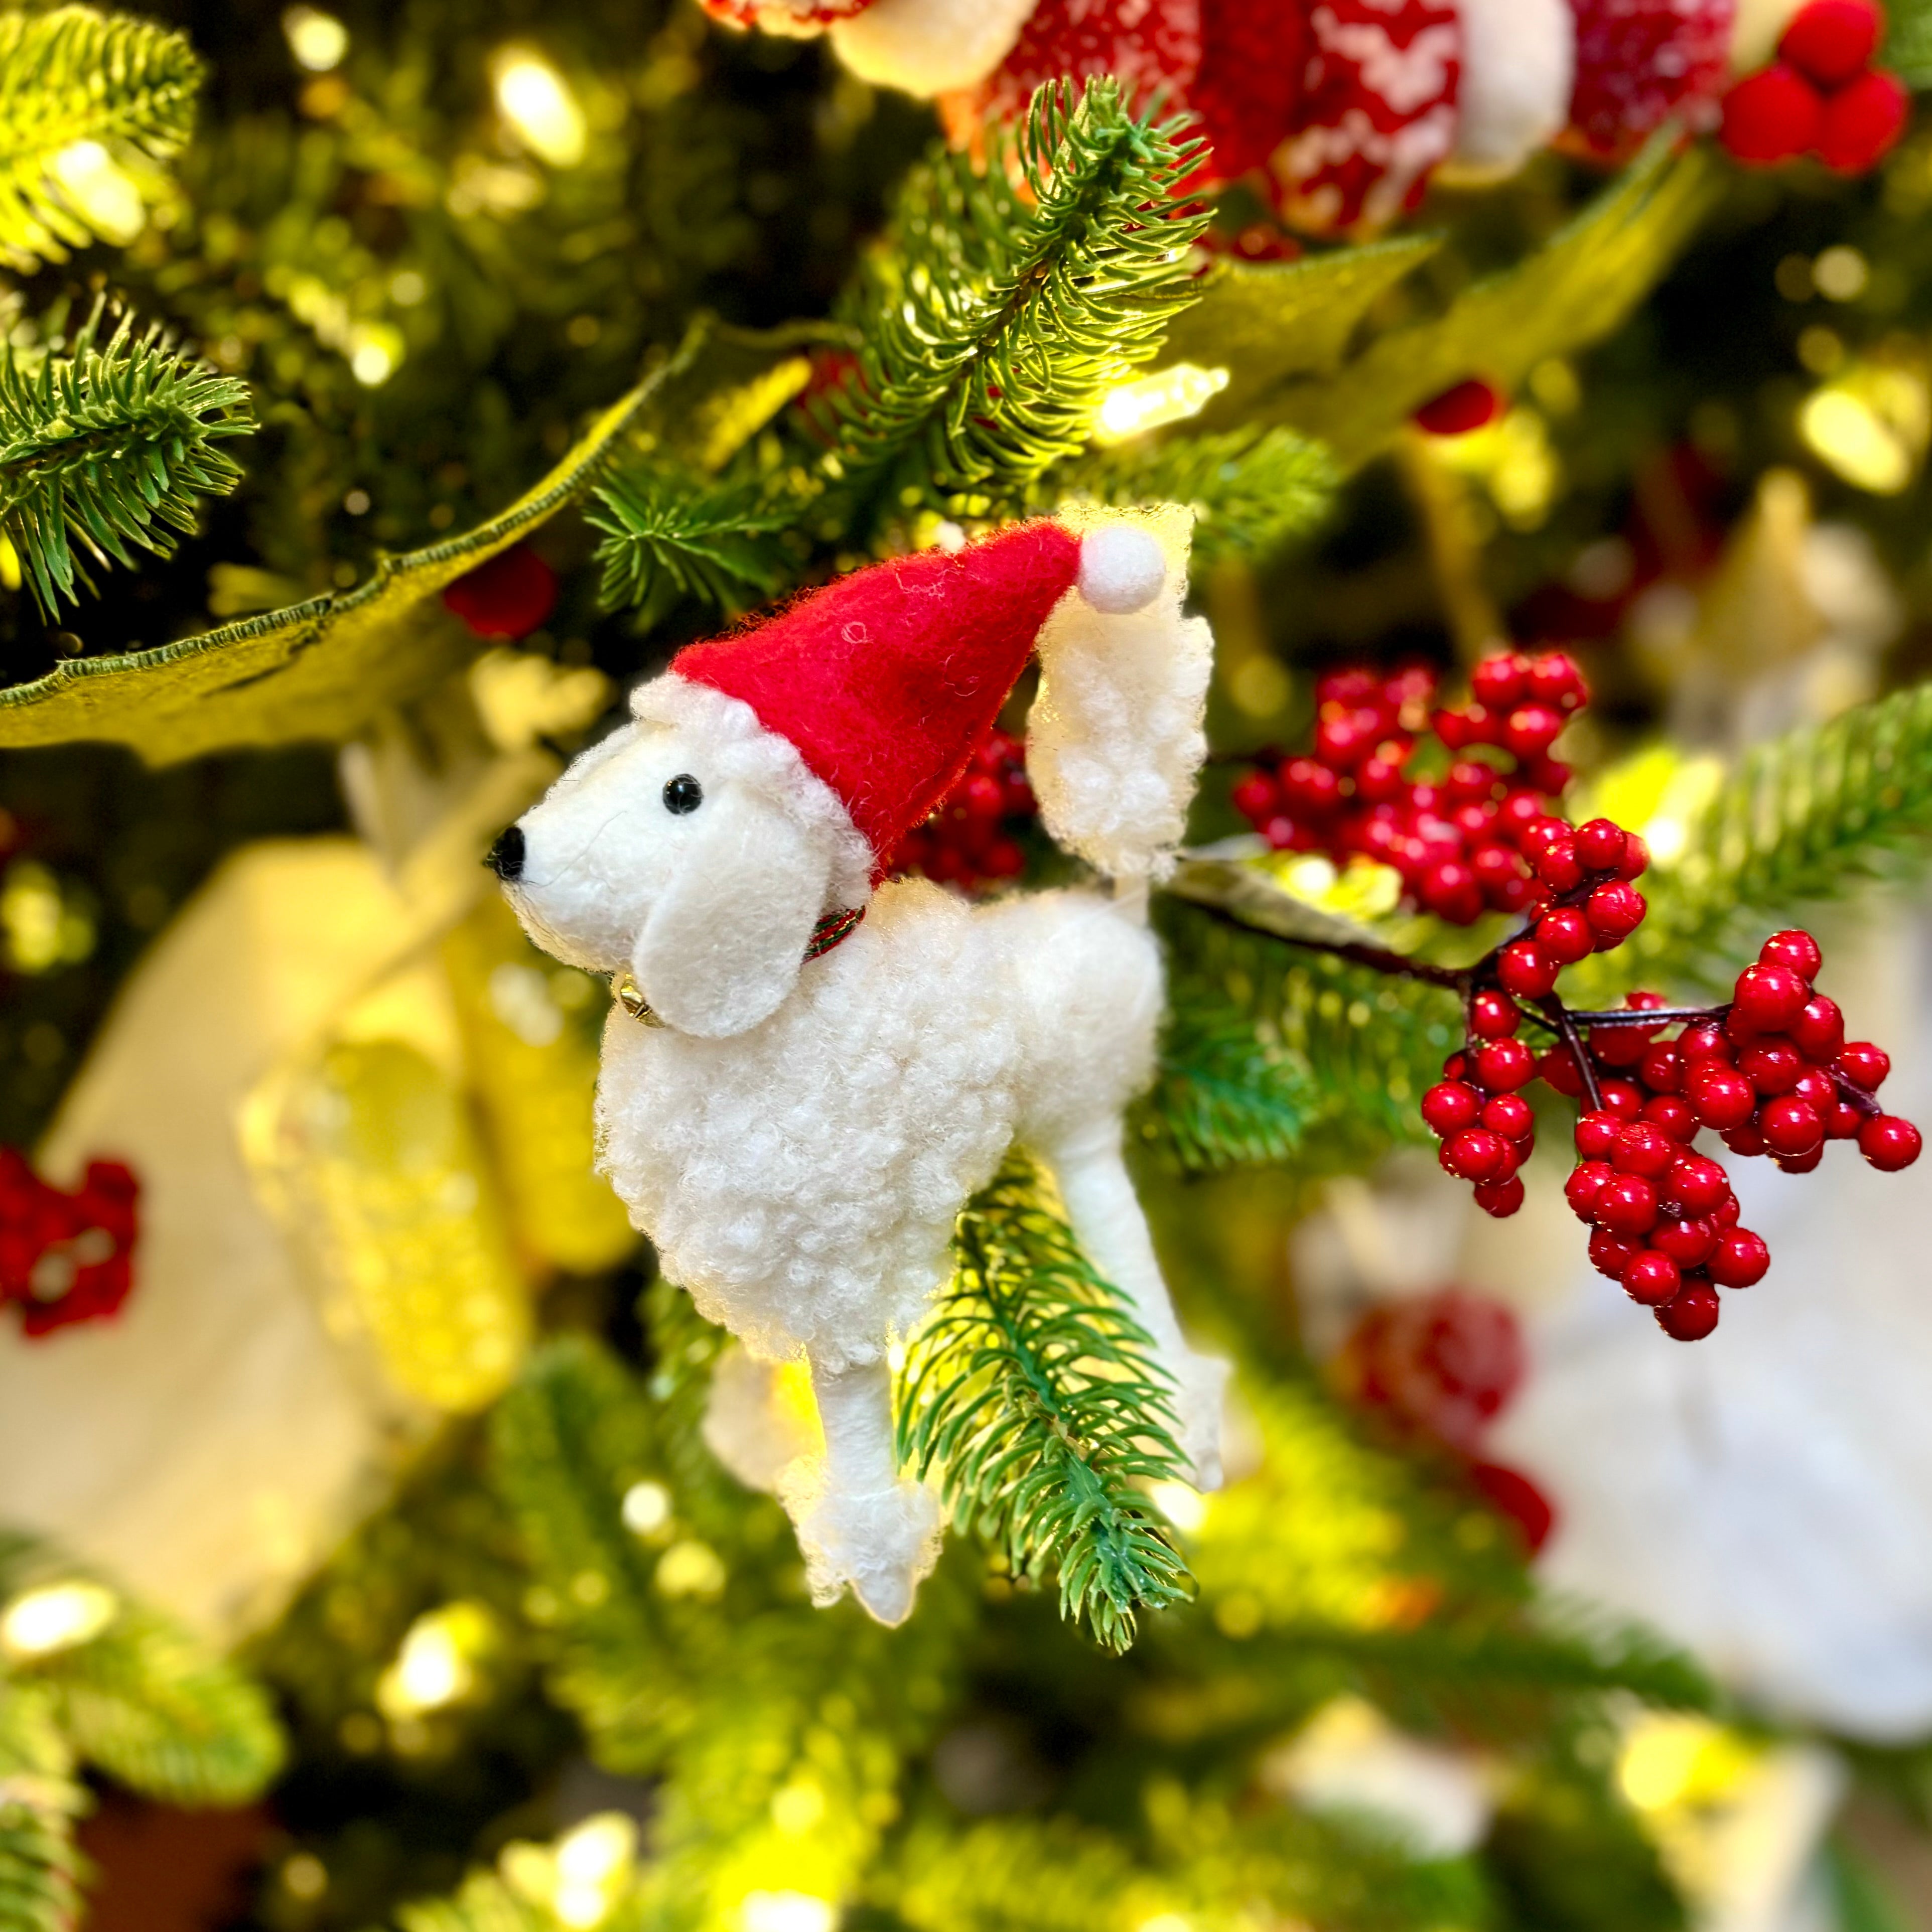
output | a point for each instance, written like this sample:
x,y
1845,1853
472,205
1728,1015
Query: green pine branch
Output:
x,y
1034,1399
1252,490
73,75
997,317
669,535
107,446
483,1904
1804,818
1224,1095
41,1868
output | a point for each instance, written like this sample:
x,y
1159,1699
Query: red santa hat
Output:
x,y
861,702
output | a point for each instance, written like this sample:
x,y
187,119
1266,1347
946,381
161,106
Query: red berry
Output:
x,y
1597,1135
1622,1047
1620,1098
1003,860
1889,1142
1309,786
1378,779
1771,1066
1477,1154
1600,845
1636,858
1771,116
1256,798
1643,1149
1796,948
1626,1205
1532,729
1565,935
1769,998
1746,1140
1830,40
1456,1067
1457,411
1819,1031
1492,1016
1697,1184
1720,1097
1691,1314
1450,891
1706,1040
1686,1240
983,797
1674,1116
1610,1256
1615,911
1554,862
1652,1278
1842,1121
1584,1185
1502,1065
1510,1115
1800,1163
1558,1068
1526,970
1500,681
1739,1259
1555,679
1818,1091
1661,1068
1520,810
1790,1126
1501,1199
1450,1106
1725,1212
1862,121
1864,1065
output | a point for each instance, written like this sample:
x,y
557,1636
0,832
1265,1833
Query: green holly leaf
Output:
x,y
1574,290
1267,322
322,669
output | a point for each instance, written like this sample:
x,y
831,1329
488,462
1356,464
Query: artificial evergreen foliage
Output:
x,y
41,1871
1031,1401
109,444
75,74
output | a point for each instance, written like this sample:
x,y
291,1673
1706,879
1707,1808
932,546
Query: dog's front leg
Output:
x,y
858,1523
1106,1216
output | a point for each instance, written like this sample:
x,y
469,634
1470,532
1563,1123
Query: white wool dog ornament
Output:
x,y
812,1071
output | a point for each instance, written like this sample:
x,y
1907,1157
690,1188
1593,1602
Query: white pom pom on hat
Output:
x,y
1121,568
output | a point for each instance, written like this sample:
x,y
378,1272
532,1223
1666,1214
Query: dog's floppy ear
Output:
x,y
723,945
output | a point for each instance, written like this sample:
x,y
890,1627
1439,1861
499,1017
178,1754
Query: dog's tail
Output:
x,y
1115,742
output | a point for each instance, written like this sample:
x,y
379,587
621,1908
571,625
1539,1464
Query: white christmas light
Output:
x,y
1167,396
538,103
646,1507
787,1912
317,40
101,190
56,1617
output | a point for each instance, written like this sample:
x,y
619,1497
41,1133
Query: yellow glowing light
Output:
x,y
539,105
317,40
646,1507
102,192
1164,1922
1167,396
56,1617
374,351
690,1569
305,1876
437,1665
592,1863
1845,430
787,1912
39,928
1659,1760
1180,1503
1841,273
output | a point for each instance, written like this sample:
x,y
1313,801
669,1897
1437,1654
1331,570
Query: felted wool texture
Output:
x,y
759,1419
929,46
1147,46
1377,112
884,680
797,20
802,1179
1519,71
1640,61
1114,739
1249,80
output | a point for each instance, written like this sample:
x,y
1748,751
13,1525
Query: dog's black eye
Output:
x,y
682,794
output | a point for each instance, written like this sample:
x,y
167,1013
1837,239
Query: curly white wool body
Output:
x,y
798,1135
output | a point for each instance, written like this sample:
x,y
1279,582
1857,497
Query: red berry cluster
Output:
x,y
1463,844
1443,1366
1822,95
66,1257
969,840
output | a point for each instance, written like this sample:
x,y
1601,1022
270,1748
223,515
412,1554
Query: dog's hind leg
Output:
x,y
1106,1216
858,1523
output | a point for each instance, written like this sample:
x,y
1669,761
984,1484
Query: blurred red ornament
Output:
x,y
507,597
66,1257
1469,406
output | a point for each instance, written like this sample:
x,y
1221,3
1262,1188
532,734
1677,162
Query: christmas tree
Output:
x,y
395,1531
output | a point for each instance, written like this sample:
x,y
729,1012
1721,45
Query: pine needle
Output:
x,y
40,1866
73,75
1035,1401
109,445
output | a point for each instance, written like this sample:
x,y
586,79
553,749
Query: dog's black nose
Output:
x,y
506,856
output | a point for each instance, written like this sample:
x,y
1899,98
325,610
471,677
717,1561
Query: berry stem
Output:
x,y
1647,1015
1560,1016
